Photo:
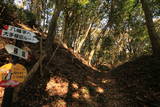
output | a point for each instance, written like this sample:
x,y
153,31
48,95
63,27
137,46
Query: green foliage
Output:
x,y
27,17
83,2
107,42
78,2
126,35
8,13
155,7
126,18
14,13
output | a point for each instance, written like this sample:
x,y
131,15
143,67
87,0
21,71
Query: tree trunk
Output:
x,y
65,35
83,39
90,57
52,31
103,31
94,49
155,40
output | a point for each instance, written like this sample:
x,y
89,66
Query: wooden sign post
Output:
x,y
12,74
8,92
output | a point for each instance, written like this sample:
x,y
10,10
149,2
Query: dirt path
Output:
x,y
70,83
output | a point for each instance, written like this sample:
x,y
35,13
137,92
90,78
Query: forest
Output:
x,y
80,53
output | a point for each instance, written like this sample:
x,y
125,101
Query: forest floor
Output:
x,y
70,82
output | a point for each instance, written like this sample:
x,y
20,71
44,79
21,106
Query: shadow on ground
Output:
x,y
70,83
67,82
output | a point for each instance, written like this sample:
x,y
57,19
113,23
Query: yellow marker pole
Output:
x,y
8,92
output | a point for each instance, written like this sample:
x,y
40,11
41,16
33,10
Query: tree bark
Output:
x,y
83,39
155,40
103,31
52,30
91,54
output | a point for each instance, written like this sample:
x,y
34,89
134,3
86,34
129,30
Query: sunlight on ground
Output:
x,y
60,86
76,95
84,90
75,85
57,103
57,86
91,83
106,81
82,93
85,93
100,90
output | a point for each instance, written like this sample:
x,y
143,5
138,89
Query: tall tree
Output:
x,y
53,26
103,31
154,37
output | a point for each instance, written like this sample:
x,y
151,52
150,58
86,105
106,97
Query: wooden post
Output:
x,y
8,92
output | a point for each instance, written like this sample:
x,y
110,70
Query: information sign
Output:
x,y
12,74
18,30
11,49
18,36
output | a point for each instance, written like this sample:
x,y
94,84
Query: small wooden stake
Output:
x,y
7,97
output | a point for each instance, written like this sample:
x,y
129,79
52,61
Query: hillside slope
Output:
x,y
68,80
137,83
71,83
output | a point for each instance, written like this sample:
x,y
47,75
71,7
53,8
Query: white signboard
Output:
x,y
18,30
18,36
11,49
